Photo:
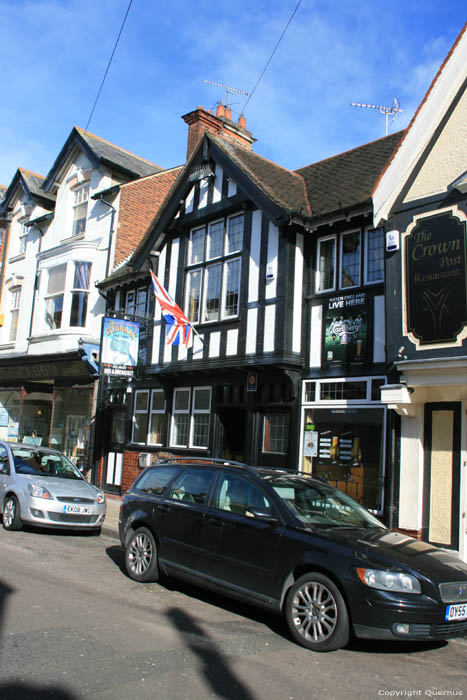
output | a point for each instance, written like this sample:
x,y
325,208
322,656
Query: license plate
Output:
x,y
79,510
456,612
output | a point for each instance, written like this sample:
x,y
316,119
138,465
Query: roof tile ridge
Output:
x,y
425,98
350,150
159,173
114,145
258,155
25,171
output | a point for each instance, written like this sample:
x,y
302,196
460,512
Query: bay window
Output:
x,y
54,296
79,294
212,289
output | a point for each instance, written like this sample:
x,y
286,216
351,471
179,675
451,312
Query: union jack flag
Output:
x,y
178,326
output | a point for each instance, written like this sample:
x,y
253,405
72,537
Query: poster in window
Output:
x,y
119,352
346,330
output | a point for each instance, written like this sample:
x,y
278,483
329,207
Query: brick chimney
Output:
x,y
201,120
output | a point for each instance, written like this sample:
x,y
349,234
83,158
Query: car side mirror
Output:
x,y
263,515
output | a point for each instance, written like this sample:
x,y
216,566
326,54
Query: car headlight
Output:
x,y
393,581
39,491
100,498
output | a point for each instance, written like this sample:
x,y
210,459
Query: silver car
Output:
x,y
40,486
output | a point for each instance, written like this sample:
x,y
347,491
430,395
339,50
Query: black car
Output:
x,y
295,545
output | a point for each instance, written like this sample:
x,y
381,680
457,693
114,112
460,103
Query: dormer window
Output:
x,y
80,209
213,271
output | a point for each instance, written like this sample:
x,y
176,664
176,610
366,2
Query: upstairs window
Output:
x,y
374,255
14,312
350,259
213,270
136,302
79,294
54,297
80,209
342,258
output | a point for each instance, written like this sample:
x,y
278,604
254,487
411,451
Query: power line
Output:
x,y
108,65
272,54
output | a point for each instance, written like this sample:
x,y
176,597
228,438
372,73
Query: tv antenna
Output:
x,y
228,90
394,110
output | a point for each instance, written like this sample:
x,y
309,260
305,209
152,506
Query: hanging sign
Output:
x,y
119,352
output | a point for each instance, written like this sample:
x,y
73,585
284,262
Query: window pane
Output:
x,y
276,433
182,400
79,219
375,253
13,325
213,292
53,312
157,428
235,234
350,274
200,430
79,308
202,399
130,302
82,273
193,295
326,263
232,291
141,401
56,282
140,427
215,240
197,245
141,302
181,422
158,401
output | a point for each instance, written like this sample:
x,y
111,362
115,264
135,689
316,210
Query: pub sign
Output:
x,y
435,268
120,341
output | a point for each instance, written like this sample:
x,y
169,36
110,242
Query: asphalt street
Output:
x,y
73,625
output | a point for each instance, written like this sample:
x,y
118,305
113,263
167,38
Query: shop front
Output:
x,y
344,436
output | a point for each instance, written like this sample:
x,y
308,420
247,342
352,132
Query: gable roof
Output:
x,y
347,179
100,152
31,183
449,80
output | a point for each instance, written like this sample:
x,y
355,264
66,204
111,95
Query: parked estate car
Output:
x,y
40,486
292,544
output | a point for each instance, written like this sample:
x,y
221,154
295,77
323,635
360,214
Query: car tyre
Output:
x,y
11,514
141,556
316,613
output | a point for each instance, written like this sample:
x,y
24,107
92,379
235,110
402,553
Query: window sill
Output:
x,y
17,258
69,239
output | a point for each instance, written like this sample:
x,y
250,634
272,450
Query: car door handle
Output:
x,y
163,508
216,522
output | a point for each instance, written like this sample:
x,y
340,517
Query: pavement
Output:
x,y
110,526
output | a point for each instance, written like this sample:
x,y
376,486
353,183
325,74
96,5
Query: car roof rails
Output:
x,y
215,461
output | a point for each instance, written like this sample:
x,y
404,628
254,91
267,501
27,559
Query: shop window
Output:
x,y
191,417
374,255
54,297
157,418
14,312
140,417
80,293
343,391
276,433
80,209
213,288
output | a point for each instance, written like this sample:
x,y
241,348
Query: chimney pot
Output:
x,y
220,110
228,113
242,122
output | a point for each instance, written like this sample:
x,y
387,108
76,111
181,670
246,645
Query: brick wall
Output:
x,y
139,203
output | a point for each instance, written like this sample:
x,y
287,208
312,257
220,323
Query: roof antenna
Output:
x,y
394,109
228,90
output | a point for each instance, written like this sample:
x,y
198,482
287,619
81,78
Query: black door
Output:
x,y
237,549
179,518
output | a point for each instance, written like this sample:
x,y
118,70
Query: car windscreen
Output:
x,y
36,462
321,505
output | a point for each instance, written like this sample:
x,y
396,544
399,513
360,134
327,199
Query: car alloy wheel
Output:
x,y
11,514
316,613
141,556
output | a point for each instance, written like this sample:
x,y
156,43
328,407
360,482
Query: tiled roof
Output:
x,y
34,184
110,153
347,179
283,187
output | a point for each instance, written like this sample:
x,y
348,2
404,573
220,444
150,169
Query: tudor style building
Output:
x,y
283,281
421,200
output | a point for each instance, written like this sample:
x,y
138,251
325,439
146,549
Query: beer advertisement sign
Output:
x,y
436,279
346,330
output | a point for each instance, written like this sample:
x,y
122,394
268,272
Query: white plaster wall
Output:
x,y
411,474
448,158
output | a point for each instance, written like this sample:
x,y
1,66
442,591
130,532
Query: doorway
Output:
x,y
233,434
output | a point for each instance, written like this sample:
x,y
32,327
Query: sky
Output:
x,y
54,53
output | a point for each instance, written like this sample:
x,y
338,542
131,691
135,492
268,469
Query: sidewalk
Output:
x,y
110,526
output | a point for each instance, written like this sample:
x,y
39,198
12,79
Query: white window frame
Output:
x,y
366,264
14,312
140,411
80,197
202,265
340,380
341,259
55,295
199,412
84,292
191,412
152,412
320,241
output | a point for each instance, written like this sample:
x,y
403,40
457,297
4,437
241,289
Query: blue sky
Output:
x,y
53,55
